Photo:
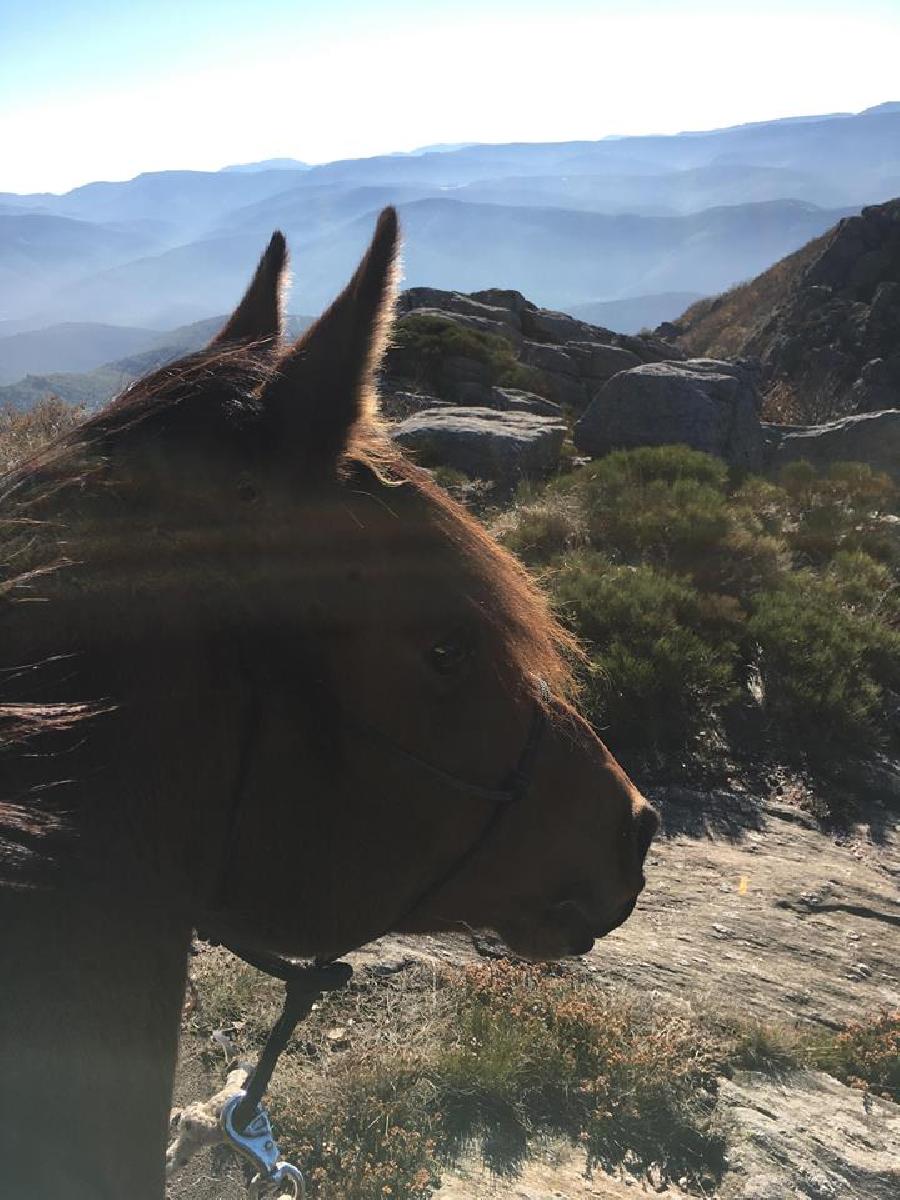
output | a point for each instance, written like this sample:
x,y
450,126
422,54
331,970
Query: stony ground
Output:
x,y
751,909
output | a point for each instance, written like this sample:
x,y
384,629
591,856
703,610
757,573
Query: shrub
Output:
x,y
669,506
542,530
842,508
366,1133
626,469
823,662
662,658
422,342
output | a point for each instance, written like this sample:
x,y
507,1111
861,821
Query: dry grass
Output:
x,y
398,1077
394,1078
23,433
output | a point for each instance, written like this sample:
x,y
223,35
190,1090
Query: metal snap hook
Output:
x,y
257,1144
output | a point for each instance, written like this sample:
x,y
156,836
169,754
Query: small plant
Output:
x,y
865,1054
535,1050
543,530
843,508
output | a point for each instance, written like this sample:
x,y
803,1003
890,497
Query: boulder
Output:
x,y
397,403
702,403
562,389
470,394
548,358
597,362
872,438
514,400
649,348
544,325
484,443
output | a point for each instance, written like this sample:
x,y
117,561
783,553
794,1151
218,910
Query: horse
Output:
x,y
262,676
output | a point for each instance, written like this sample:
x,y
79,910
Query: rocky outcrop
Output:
x,y
872,438
548,354
484,443
824,322
702,403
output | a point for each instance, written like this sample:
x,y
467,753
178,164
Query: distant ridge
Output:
x,y
93,388
270,164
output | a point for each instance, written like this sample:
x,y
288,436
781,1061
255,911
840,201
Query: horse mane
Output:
x,y
211,400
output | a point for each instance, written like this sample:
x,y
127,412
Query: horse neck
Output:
x,y
94,935
90,997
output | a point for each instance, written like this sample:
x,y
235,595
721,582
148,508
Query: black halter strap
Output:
x,y
305,984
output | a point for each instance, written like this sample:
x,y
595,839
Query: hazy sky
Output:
x,y
105,89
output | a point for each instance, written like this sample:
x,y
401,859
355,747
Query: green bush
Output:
x,y
824,663
843,507
685,583
423,341
625,469
663,658
542,530
669,506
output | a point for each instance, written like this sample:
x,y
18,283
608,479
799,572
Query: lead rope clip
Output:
x,y
256,1143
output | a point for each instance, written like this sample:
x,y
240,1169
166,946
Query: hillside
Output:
x,y
70,346
150,349
823,321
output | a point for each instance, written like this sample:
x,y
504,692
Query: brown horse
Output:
x,y
261,675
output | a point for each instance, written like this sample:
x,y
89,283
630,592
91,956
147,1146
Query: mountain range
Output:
x,y
626,231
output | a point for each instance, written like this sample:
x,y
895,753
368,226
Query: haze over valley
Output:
x,y
625,232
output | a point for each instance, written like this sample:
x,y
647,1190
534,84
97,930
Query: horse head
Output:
x,y
392,665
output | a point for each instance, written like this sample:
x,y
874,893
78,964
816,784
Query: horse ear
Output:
x,y
323,388
258,317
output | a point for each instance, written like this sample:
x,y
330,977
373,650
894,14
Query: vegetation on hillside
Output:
x,y
720,611
721,326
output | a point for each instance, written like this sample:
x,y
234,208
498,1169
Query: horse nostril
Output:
x,y
647,825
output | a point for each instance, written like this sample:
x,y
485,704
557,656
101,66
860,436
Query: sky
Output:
x,y
107,89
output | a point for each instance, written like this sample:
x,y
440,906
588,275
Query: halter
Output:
x,y
244,1120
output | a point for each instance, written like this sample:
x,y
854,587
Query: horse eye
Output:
x,y
450,655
